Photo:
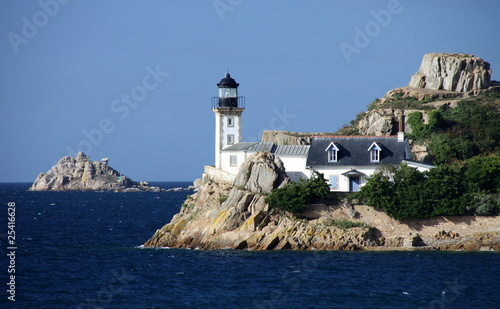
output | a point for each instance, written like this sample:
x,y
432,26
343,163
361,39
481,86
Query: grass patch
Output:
x,y
223,198
342,224
347,224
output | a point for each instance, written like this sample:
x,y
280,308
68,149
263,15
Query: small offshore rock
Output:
x,y
81,174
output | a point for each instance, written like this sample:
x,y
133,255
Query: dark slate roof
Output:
x,y
353,150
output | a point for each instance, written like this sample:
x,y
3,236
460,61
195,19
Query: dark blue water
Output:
x,y
81,250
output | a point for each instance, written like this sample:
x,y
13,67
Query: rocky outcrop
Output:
x,y
235,215
452,72
286,138
82,174
223,215
381,122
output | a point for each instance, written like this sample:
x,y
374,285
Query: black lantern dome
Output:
x,y
228,82
228,92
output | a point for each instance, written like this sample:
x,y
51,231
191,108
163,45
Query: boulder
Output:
x,y
261,173
453,72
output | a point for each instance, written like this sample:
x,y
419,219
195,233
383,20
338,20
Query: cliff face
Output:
x,y
222,215
453,72
81,173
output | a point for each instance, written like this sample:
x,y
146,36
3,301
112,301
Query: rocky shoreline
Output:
x,y
225,214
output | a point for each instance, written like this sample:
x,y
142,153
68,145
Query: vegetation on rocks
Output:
x,y
462,132
444,190
295,196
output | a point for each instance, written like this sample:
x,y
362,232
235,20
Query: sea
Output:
x,y
84,250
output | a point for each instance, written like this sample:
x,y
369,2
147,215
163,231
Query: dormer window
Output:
x,y
332,155
375,152
332,152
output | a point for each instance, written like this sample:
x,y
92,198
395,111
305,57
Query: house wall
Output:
x,y
295,167
241,156
343,181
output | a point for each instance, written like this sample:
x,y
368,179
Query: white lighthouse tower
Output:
x,y
227,107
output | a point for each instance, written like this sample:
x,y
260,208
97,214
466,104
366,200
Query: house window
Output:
x,y
233,160
334,182
230,139
332,155
374,150
230,121
332,152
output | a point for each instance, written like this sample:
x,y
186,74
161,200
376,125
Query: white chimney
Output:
x,y
401,128
401,137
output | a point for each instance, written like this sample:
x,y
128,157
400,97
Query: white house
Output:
x,y
345,161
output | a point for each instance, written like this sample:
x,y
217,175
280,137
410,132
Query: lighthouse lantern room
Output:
x,y
227,107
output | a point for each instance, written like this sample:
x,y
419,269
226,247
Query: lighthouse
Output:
x,y
227,107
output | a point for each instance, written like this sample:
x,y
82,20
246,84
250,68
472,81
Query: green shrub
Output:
x,y
416,122
398,95
476,121
295,196
378,191
409,200
483,173
444,148
412,194
421,130
444,189
487,204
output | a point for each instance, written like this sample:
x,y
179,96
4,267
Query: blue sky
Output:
x,y
133,80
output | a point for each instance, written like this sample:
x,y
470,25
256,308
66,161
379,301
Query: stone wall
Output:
x,y
427,228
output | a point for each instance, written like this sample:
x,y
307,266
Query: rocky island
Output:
x,y
81,174
230,211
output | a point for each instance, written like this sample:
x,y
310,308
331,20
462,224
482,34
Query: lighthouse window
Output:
x,y
230,121
230,139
